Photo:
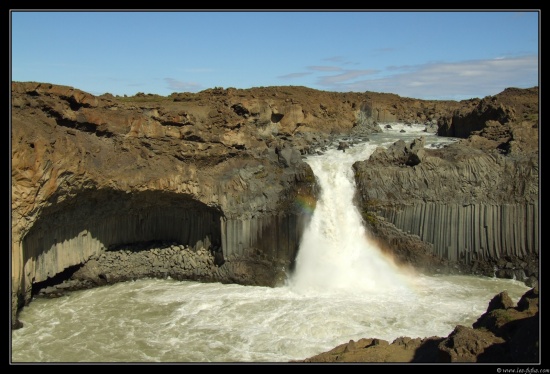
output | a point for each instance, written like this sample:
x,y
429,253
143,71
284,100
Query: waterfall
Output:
x,y
342,289
336,253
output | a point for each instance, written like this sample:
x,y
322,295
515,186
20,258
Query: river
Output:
x,y
343,288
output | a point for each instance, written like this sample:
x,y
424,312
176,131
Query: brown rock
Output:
x,y
86,169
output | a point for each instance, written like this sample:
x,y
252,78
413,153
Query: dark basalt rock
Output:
x,y
219,173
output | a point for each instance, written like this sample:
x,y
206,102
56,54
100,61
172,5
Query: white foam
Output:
x,y
343,289
241,323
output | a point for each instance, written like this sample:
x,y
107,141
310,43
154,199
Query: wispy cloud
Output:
x,y
458,80
324,68
294,75
176,85
433,80
343,77
340,60
334,59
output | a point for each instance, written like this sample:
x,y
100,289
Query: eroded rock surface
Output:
x,y
476,200
216,176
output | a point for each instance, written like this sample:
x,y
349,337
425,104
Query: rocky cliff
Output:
x,y
476,200
211,184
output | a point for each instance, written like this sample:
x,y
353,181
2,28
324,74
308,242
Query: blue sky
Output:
x,y
426,55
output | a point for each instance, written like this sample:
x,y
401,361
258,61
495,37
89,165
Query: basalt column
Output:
x,y
70,232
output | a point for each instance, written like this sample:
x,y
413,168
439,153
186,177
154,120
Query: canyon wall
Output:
x,y
476,199
221,171
468,204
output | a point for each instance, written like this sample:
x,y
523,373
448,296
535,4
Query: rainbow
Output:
x,y
305,203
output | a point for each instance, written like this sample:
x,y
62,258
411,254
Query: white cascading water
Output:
x,y
342,288
336,252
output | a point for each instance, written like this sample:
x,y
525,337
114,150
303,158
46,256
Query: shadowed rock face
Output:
x,y
73,230
475,201
496,117
469,203
220,173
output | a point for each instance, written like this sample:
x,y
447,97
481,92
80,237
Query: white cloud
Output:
x,y
334,59
180,86
324,68
294,75
456,80
345,76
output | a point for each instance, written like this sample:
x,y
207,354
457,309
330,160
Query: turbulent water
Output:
x,y
343,288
